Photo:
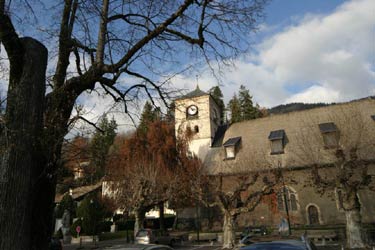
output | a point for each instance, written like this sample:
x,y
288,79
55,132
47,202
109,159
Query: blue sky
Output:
x,y
305,51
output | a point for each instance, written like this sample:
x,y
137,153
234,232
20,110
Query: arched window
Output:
x,y
313,215
290,196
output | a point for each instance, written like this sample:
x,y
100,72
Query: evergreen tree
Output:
x,y
235,109
218,97
92,213
149,115
99,147
170,113
248,110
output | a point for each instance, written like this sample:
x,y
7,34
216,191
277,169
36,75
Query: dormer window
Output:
x,y
330,134
231,147
277,139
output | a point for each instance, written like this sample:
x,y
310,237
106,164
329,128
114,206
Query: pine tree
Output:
x,y
149,115
99,147
248,110
235,109
218,97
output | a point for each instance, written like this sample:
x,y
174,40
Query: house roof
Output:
x,y
79,192
304,145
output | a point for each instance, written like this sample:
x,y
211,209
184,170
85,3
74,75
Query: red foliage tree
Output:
x,y
147,169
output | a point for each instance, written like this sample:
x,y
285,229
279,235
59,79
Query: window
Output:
x,y
196,129
291,199
277,139
231,147
373,117
330,134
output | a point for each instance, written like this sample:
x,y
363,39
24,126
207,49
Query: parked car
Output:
x,y
282,244
149,236
251,231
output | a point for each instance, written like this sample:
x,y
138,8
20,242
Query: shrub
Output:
x,y
92,213
68,203
73,227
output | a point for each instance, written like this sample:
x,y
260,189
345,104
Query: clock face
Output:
x,y
192,110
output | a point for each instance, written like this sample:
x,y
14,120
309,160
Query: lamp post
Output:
x,y
92,205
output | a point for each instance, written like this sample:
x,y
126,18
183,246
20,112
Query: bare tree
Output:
x,y
240,193
100,44
344,166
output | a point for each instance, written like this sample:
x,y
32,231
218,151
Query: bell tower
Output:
x,y
197,112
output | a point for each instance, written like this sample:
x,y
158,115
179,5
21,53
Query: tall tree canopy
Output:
x,y
148,169
149,115
242,107
99,146
218,97
124,49
234,107
248,110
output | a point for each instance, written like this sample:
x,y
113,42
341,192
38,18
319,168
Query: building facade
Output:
x,y
295,142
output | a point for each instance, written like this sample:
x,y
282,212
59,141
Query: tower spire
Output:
x,y
197,77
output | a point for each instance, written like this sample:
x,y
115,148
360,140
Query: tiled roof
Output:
x,y
79,192
305,145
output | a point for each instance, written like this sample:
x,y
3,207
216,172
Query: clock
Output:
x,y
192,110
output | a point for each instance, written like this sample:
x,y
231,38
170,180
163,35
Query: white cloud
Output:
x,y
335,52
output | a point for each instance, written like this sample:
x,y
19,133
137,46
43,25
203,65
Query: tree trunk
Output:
x,y
161,217
21,153
354,229
352,208
229,236
139,219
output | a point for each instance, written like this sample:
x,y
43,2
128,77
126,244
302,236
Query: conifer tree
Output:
x,y
248,110
149,115
235,109
99,147
218,97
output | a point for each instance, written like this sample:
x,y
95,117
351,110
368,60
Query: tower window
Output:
x,y
277,139
196,129
330,134
373,117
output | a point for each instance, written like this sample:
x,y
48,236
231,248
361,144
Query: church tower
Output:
x,y
198,112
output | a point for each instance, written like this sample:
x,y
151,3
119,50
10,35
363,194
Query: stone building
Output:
x,y
294,142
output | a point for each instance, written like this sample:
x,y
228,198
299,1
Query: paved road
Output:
x,y
109,243
187,246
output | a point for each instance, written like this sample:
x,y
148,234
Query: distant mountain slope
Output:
x,y
290,107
